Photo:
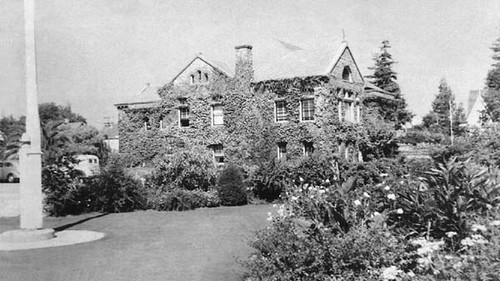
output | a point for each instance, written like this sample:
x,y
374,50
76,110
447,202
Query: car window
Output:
x,y
1,165
8,164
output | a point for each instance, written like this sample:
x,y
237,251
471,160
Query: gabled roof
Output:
x,y
289,61
147,95
473,96
219,65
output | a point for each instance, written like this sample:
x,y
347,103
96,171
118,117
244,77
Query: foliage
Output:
x,y
384,77
438,120
230,187
188,169
180,199
61,189
53,112
11,130
112,191
415,136
492,87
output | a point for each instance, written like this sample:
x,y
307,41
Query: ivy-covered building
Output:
x,y
285,105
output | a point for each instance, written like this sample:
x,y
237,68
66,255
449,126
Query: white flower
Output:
x,y
383,175
294,198
357,202
301,179
450,234
376,214
401,182
489,206
391,273
399,211
495,223
269,217
476,227
411,274
327,181
366,195
321,191
387,187
391,196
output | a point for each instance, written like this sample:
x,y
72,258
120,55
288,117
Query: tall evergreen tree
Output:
x,y
438,120
491,95
384,77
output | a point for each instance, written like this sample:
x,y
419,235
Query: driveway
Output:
x,y
203,244
9,199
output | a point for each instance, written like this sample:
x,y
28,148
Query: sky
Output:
x,y
92,54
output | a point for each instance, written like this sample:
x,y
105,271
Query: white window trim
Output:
x,y
281,156
212,115
304,148
179,116
276,112
301,105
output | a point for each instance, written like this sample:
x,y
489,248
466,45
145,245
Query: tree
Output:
x,y
438,119
54,112
11,130
384,77
491,95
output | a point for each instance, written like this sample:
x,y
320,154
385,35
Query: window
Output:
x,y
147,124
308,149
218,150
217,115
282,151
184,117
280,111
206,77
346,74
199,75
307,109
192,79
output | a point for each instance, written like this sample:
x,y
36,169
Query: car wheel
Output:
x,y
10,178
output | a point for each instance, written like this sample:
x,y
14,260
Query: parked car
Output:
x,y
9,171
87,165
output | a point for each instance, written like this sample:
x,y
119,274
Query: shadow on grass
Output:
x,y
69,225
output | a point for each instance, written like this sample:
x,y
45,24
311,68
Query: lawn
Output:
x,y
203,244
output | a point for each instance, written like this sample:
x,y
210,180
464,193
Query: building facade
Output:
x,y
296,104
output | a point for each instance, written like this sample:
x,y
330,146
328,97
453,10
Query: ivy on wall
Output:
x,y
249,134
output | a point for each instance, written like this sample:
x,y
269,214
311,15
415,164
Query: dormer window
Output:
x,y
347,74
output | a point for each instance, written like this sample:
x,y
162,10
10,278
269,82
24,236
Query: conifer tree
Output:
x,y
384,77
438,119
491,95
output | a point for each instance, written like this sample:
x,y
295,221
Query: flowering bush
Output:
x,y
442,226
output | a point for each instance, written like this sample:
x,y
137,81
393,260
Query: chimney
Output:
x,y
244,63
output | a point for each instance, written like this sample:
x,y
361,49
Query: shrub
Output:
x,y
181,199
189,169
114,191
230,187
62,190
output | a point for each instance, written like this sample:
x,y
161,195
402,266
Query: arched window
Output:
x,y
199,75
192,79
346,74
206,77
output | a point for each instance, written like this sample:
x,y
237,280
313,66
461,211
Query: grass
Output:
x,y
203,244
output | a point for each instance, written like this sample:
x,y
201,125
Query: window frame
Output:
x,y
282,151
218,154
213,116
308,148
278,118
180,109
302,109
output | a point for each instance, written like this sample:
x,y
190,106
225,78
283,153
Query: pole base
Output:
x,y
27,235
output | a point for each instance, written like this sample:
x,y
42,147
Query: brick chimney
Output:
x,y
244,63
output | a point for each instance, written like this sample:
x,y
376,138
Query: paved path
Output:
x,y
9,199
195,245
